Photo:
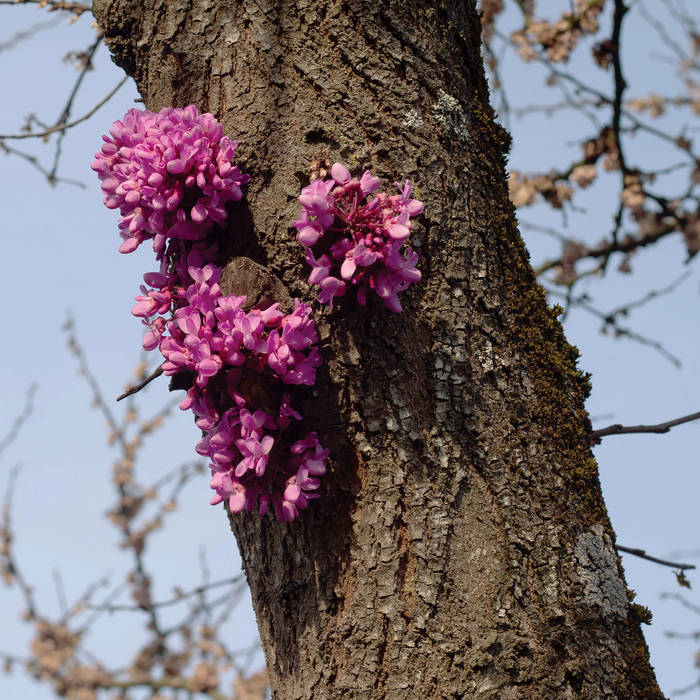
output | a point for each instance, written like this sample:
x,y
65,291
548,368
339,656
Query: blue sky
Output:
x,y
61,256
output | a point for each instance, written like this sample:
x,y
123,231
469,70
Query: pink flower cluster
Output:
x,y
286,476
236,359
355,242
209,331
170,174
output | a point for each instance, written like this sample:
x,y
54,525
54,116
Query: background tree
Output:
x,y
455,128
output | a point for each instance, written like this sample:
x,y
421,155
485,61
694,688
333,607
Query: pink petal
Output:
x,y
369,183
236,502
308,235
129,245
318,274
399,232
199,213
415,207
292,493
393,303
176,166
266,443
340,173
347,269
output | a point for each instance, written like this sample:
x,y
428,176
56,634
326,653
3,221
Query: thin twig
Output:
x,y
643,555
618,429
60,593
65,114
172,601
10,562
620,84
682,600
686,689
165,683
20,420
610,321
76,7
607,248
28,33
137,387
34,162
69,125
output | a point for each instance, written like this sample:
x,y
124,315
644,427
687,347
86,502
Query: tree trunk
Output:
x,y
461,547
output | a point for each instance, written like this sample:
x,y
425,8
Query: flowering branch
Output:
x,y
171,175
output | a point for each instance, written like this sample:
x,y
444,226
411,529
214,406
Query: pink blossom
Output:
x,y
367,250
170,174
226,349
261,476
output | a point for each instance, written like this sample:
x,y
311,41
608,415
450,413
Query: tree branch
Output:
x,y
68,125
137,387
171,601
618,429
643,555
20,420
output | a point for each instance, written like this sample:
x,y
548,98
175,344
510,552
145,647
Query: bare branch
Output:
x,y
627,245
52,178
172,601
682,600
137,387
77,8
165,683
65,114
68,125
10,568
20,420
610,321
618,429
686,689
28,33
643,555
60,592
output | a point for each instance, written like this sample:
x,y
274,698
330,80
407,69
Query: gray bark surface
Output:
x,y
461,548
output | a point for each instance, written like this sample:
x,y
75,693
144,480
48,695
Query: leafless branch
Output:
x,y
34,162
28,33
67,109
10,567
610,246
68,125
682,600
20,420
171,601
686,689
137,387
610,321
77,8
643,555
618,429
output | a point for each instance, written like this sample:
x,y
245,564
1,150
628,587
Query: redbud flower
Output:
x,y
363,240
170,174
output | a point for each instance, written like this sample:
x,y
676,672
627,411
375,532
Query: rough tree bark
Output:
x,y
461,548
